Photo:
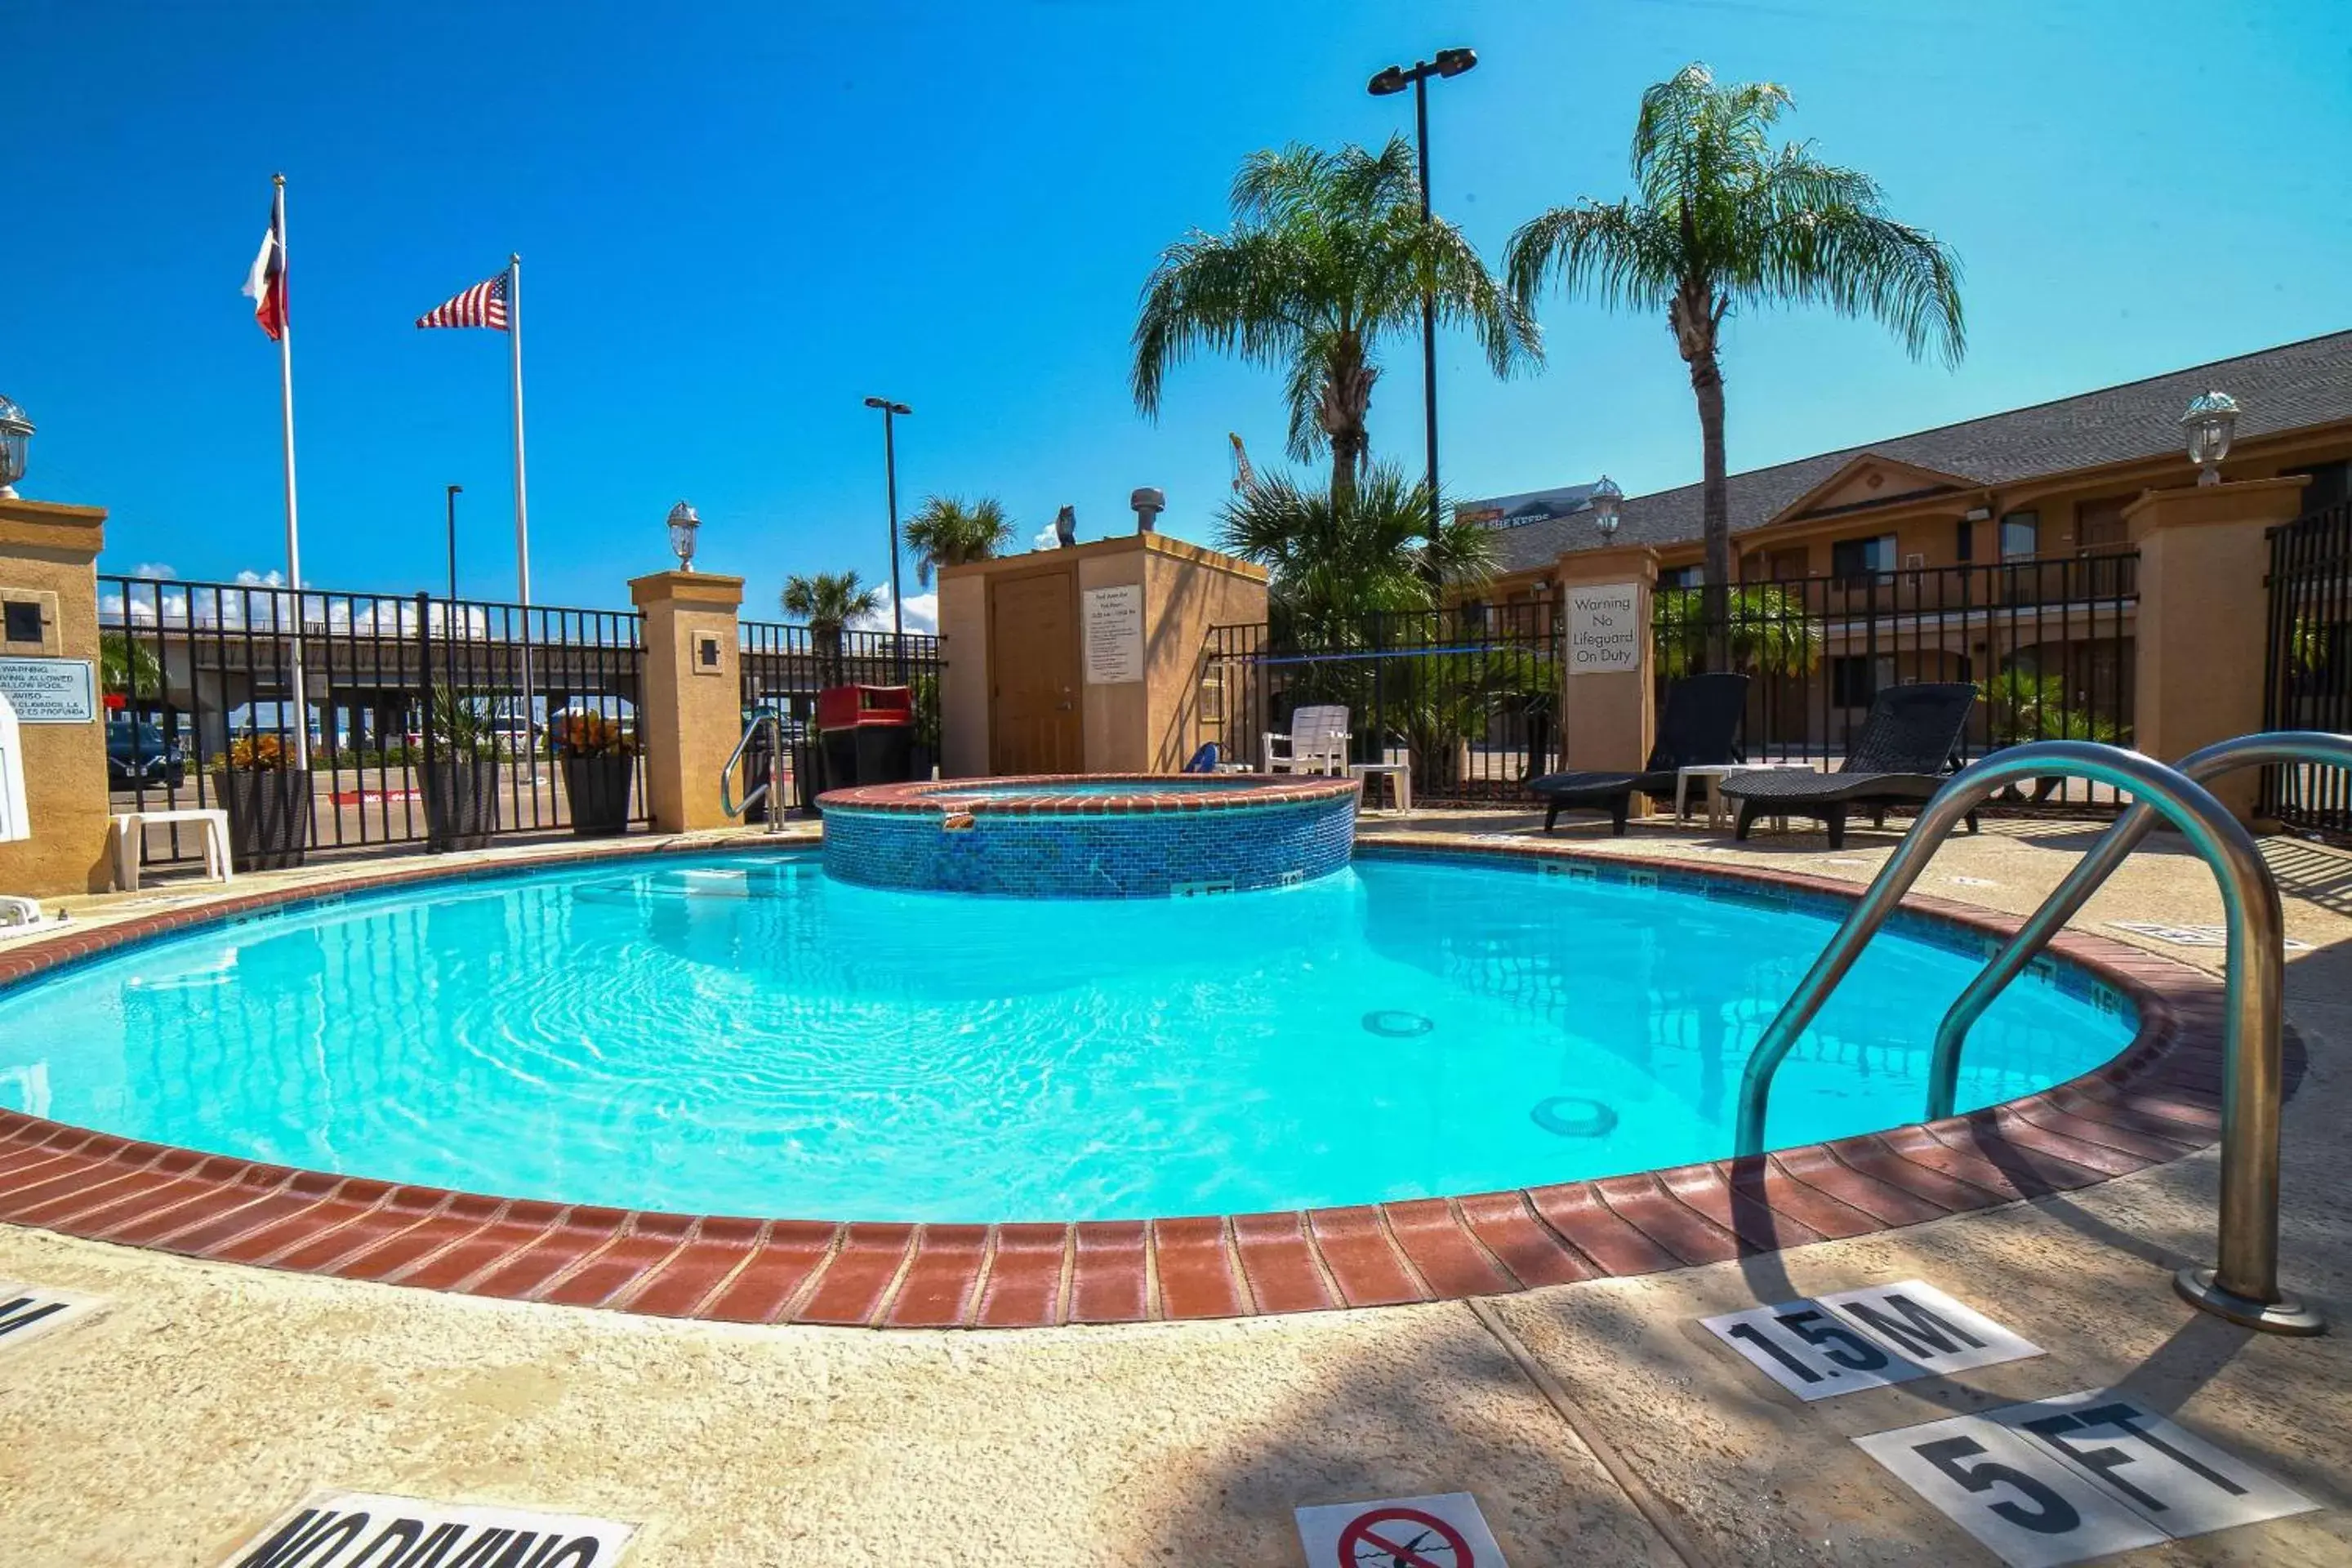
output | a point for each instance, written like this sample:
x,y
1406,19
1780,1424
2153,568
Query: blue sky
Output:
x,y
739,219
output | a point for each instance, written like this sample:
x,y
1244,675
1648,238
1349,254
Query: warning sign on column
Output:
x,y
1114,634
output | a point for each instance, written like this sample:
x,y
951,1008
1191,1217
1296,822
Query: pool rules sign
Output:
x,y
1604,629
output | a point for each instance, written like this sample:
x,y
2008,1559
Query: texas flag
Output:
x,y
266,284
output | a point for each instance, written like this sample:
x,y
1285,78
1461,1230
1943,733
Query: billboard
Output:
x,y
1529,506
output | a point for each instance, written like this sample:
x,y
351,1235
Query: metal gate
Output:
x,y
2048,643
784,667
1470,695
2307,666
200,675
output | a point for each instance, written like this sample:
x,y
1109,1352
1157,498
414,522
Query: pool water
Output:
x,y
1109,788
739,1035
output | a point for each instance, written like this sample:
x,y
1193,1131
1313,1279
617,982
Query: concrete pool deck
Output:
x,y
1595,1422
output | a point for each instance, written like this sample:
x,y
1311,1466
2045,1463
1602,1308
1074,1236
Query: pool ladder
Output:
x,y
771,788
2243,1286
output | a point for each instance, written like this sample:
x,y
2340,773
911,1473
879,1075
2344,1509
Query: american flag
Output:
x,y
483,305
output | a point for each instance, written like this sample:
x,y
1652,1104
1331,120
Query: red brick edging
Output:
x,y
2158,1099
1008,797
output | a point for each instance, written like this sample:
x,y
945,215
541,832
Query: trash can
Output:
x,y
866,734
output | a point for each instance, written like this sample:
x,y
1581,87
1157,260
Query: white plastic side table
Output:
x,y
1401,773
1714,774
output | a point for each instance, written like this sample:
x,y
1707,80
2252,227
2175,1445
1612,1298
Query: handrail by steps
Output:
x,y
2067,900
2244,1288
771,788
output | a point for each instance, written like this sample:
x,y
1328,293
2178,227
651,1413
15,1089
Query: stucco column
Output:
x,y
2204,604
690,711
1608,701
49,556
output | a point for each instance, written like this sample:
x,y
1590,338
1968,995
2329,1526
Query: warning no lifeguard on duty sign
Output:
x,y
1443,1532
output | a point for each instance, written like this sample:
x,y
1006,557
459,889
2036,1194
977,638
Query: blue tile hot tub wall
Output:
x,y
1133,855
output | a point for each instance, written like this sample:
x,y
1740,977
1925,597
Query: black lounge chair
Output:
x,y
1700,728
1909,745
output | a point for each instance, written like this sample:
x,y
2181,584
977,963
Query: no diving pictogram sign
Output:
x,y
1444,1531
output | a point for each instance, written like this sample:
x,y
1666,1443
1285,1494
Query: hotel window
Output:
x,y
1855,680
2099,525
1857,560
2020,536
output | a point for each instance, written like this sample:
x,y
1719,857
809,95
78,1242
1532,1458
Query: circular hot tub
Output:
x,y
1131,836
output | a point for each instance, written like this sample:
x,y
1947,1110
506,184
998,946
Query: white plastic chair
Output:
x,y
1317,742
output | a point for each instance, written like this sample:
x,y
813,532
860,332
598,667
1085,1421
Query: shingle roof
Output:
x,y
2285,388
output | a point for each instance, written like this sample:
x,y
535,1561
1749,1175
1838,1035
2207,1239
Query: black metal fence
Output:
x,y
1469,696
784,667
200,675
2048,643
2307,668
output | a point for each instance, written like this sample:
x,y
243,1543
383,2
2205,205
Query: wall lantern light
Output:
x,y
1603,501
14,428
2210,421
682,526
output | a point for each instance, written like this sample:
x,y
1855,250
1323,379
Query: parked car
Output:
x,y
136,754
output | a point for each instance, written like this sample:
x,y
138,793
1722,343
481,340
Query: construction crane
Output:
x,y
1244,477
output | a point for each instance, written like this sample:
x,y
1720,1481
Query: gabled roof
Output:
x,y
2286,388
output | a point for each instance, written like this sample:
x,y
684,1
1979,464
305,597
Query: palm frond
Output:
x,y
1220,292
1623,253
1848,254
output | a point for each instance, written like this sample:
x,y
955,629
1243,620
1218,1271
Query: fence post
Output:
x,y
2199,655
691,712
48,582
1608,694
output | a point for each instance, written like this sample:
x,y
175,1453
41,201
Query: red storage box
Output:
x,y
856,707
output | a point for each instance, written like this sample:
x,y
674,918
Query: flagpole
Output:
x,y
522,509
293,527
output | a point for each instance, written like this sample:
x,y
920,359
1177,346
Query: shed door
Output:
x,y
1033,671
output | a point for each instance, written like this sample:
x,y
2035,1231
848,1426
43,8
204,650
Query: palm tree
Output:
x,y
828,602
1337,559
129,669
1723,218
1327,255
946,532
1759,625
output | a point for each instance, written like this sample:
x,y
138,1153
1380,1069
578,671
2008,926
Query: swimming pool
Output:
x,y
740,1034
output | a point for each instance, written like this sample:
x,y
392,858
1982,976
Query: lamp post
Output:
x,y
683,524
455,492
890,469
1391,79
2210,421
14,429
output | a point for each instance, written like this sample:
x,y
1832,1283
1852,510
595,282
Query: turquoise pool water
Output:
x,y
737,1033
1210,784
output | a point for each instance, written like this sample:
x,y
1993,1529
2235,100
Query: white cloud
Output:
x,y
922,613
152,569
1046,539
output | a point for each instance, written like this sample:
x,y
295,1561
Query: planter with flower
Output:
x,y
267,799
461,771
599,766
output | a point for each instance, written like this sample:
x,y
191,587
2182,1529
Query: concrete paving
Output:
x,y
1595,1422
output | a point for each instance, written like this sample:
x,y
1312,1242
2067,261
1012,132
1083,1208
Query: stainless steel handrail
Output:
x,y
2067,900
770,787
2244,1288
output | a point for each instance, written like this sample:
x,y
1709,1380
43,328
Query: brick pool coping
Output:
x,y
1044,800
2157,1100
